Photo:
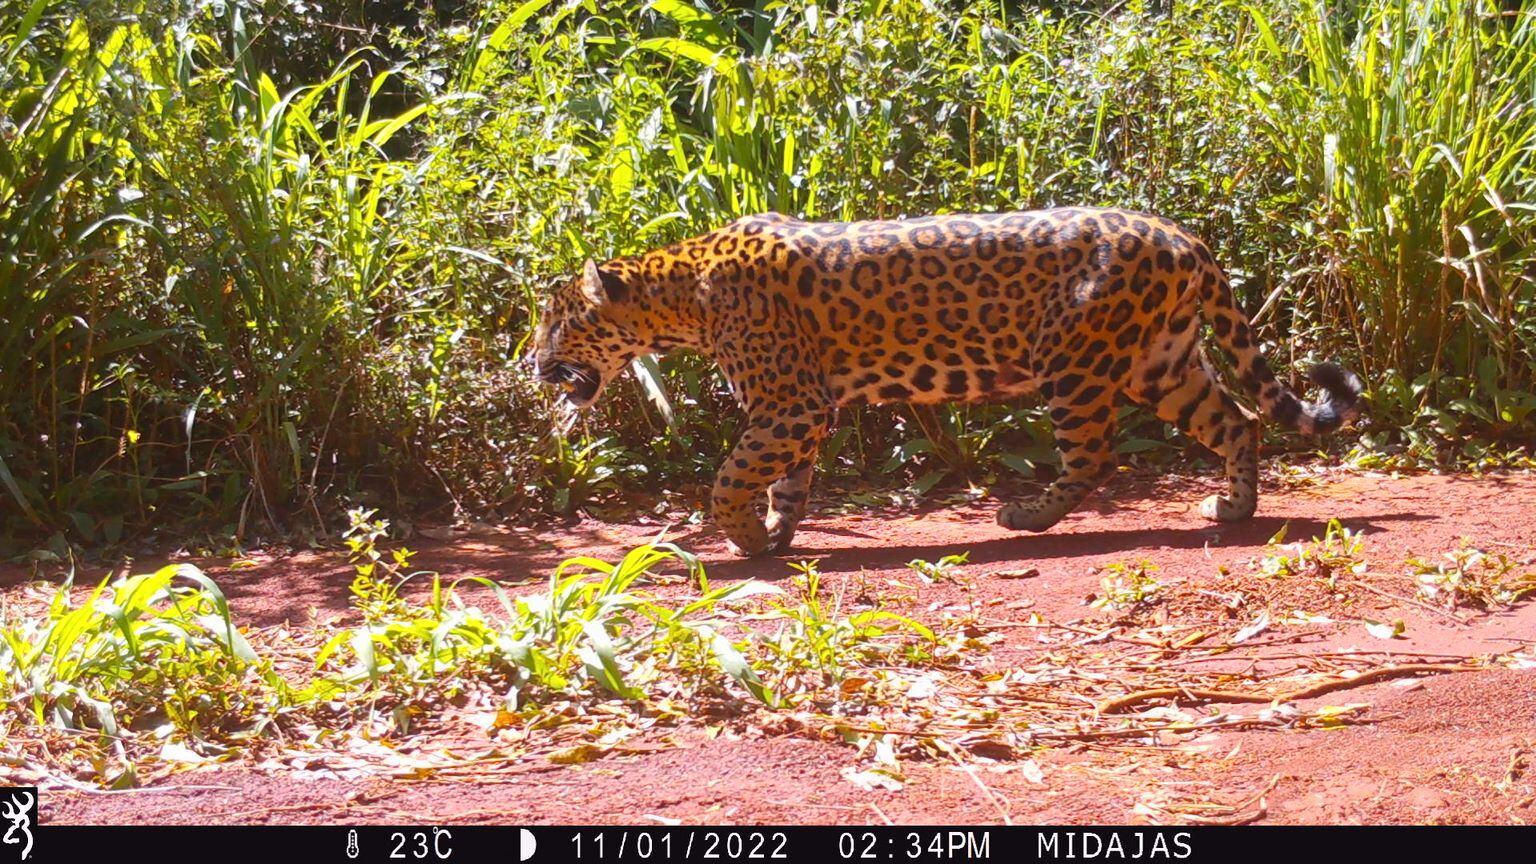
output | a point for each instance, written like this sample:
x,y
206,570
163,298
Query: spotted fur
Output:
x,y
1078,305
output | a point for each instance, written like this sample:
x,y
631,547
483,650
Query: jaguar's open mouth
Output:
x,y
580,382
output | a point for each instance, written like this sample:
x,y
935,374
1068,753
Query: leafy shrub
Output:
x,y
240,294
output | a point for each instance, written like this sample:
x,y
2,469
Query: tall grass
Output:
x,y
50,162
1410,130
207,269
244,302
151,668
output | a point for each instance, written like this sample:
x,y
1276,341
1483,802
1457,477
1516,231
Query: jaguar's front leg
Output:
x,y
775,453
786,505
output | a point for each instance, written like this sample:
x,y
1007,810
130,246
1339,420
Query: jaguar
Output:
x,y
1078,306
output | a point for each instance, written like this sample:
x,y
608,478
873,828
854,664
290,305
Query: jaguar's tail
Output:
x,y
1341,401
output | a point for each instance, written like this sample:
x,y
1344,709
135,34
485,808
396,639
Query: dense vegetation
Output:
x,y
261,258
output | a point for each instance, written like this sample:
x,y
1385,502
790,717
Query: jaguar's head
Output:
x,y
587,334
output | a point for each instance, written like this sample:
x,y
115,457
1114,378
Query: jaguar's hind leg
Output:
x,y
1202,408
1084,415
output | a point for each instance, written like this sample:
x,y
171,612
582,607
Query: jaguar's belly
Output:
x,y
920,376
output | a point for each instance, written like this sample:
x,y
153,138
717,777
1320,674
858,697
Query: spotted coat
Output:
x,y
1079,305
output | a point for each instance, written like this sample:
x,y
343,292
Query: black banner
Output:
x,y
225,845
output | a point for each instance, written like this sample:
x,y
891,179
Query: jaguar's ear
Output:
x,y
602,287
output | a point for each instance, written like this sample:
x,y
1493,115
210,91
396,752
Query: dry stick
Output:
x,y
1222,648
1110,633
1228,647
1142,732
779,802
1239,722
288,808
1120,704
140,790
1517,765
986,793
1401,599
1303,655
1235,814
1020,697
1192,695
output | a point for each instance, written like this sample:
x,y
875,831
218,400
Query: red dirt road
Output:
x,y
1449,748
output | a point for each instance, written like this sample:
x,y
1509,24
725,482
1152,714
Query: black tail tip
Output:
x,y
1341,403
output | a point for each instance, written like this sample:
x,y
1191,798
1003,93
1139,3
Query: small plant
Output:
x,y
139,651
575,474
593,631
1471,577
1127,586
1339,551
400,648
940,571
376,585
815,636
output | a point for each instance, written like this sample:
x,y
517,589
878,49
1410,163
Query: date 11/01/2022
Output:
x,y
684,846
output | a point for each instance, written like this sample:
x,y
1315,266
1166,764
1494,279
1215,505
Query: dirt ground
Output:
x,y
1446,748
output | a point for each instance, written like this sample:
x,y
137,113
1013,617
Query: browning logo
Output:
x,y
18,813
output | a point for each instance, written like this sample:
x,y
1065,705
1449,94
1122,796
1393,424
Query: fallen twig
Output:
x,y
1401,599
1121,703
992,797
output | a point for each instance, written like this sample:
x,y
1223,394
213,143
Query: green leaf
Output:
x,y
1018,463
649,374
734,664
1140,445
601,661
504,31
670,46
1278,537
866,618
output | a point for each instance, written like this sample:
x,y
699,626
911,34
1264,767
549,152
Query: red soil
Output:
x,y
1451,748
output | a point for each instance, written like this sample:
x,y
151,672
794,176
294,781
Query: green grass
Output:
x,y
1125,586
154,664
1410,133
136,653
596,630
239,294
592,630
146,673
1340,552
1472,577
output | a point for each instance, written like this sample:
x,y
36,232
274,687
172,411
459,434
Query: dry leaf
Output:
x,y
578,755
875,778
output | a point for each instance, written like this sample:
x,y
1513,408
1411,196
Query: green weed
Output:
x,y
136,653
1471,577
242,283
814,635
938,571
1127,586
1338,553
